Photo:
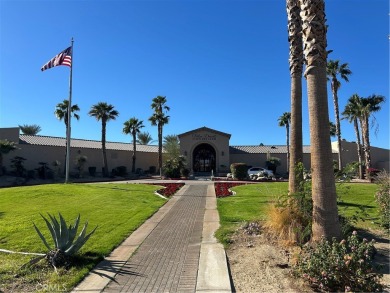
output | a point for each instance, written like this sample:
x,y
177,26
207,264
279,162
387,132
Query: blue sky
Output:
x,y
221,64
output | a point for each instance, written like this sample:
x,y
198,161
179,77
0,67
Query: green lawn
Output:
x,y
117,210
252,201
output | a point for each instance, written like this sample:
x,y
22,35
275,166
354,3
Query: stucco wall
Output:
x,y
48,154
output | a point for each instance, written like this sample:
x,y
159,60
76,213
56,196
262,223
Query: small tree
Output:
x,y
5,147
80,163
272,163
17,165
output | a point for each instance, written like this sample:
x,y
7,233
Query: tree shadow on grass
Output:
x,y
347,204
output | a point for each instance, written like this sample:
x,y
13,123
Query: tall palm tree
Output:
x,y
144,138
333,70
296,66
284,121
33,129
369,105
352,113
325,215
103,112
133,126
61,111
159,118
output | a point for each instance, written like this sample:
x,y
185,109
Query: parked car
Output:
x,y
257,170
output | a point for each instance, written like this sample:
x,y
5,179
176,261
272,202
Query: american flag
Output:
x,y
63,58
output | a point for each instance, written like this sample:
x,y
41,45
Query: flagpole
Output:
x,y
68,129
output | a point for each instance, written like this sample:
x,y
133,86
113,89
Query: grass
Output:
x,y
117,210
252,202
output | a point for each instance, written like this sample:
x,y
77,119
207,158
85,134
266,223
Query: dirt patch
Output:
x,y
258,264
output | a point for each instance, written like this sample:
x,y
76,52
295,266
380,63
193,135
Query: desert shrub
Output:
x,y
290,217
239,170
339,266
382,197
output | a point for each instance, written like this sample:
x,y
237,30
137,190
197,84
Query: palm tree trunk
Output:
x,y
134,150
105,165
325,214
288,144
160,137
296,65
338,130
296,145
366,143
358,147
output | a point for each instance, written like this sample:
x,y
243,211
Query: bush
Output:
x,y
382,197
339,266
172,167
239,170
152,169
17,165
120,171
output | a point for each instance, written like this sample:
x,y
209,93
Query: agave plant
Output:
x,y
65,242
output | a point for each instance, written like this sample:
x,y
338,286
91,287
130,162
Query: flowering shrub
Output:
x,y
339,266
169,188
222,188
382,197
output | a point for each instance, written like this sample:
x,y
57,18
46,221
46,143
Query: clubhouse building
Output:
x,y
206,150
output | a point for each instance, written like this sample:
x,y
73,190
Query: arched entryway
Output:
x,y
203,158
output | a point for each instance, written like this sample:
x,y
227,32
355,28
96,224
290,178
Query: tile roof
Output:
x,y
121,146
82,143
274,149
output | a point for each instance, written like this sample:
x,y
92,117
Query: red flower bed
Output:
x,y
169,188
222,188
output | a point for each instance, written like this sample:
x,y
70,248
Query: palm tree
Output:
x,y
332,129
333,70
369,105
284,121
6,146
296,65
171,146
144,138
325,215
30,129
104,112
351,112
61,111
133,126
159,118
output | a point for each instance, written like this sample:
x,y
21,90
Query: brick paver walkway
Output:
x,y
167,261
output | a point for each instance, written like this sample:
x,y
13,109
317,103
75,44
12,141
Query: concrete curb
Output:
x,y
106,270
213,273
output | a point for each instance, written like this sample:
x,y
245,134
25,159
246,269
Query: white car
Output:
x,y
257,170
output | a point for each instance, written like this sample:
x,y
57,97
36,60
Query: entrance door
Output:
x,y
204,158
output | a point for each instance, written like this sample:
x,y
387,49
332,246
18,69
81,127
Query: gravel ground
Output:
x,y
259,265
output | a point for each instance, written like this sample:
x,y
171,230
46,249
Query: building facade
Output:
x,y
206,150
